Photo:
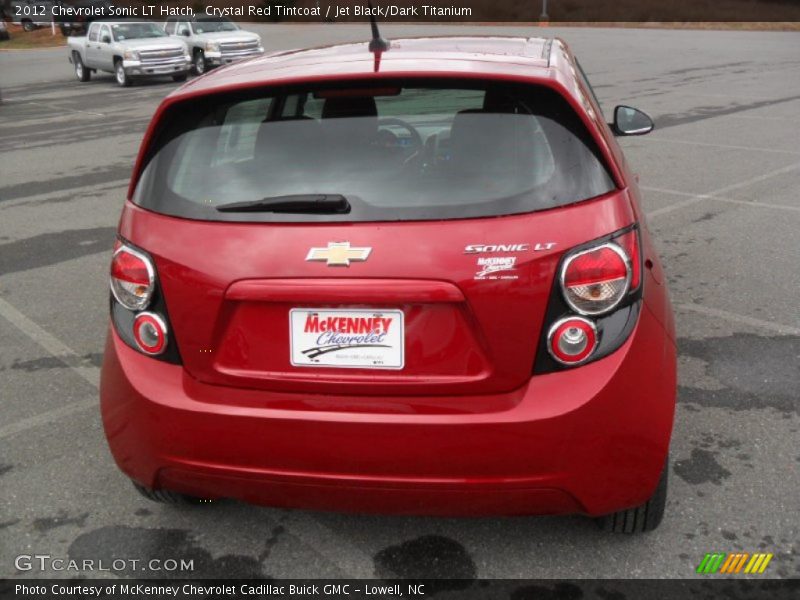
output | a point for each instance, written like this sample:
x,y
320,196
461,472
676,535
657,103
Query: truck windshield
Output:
x,y
136,31
402,150
214,25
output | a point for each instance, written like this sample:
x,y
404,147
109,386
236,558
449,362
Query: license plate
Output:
x,y
348,339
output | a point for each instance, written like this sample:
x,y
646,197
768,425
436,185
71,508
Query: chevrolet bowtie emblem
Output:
x,y
339,254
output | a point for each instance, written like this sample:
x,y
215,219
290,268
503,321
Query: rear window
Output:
x,y
388,151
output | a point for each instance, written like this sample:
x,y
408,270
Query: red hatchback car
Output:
x,y
412,281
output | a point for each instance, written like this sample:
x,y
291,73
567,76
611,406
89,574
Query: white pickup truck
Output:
x,y
214,41
130,50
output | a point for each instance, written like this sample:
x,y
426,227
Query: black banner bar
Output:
x,y
435,11
710,588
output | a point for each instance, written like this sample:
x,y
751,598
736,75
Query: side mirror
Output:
x,y
631,121
106,39
185,32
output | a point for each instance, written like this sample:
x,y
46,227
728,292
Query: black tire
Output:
x,y
640,519
179,78
81,72
199,64
28,25
168,497
123,80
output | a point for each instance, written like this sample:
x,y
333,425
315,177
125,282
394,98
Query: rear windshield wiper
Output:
x,y
323,204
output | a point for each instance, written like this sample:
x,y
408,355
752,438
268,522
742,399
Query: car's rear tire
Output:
x,y
179,78
199,62
643,518
81,72
122,77
28,25
168,497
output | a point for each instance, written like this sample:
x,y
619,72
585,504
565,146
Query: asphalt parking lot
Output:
x,y
721,177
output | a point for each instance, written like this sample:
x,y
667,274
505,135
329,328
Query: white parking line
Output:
x,y
348,558
712,145
45,418
756,179
737,96
58,349
694,199
786,119
53,106
303,526
721,199
50,343
80,191
741,319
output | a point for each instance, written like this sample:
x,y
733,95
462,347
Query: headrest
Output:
x,y
498,102
484,141
287,139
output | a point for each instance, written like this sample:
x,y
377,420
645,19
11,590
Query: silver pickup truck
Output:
x,y
129,50
214,41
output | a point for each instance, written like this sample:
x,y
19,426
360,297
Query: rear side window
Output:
x,y
395,150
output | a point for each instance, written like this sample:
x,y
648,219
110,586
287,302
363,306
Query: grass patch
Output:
x,y
25,40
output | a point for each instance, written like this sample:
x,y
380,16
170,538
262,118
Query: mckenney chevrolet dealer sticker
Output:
x,y
496,267
364,339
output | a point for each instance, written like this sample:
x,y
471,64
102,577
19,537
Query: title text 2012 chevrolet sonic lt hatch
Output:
x,y
413,281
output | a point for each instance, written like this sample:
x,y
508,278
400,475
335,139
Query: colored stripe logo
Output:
x,y
733,563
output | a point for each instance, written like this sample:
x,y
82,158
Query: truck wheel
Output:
x,y
122,77
179,78
199,62
640,519
28,25
167,497
81,72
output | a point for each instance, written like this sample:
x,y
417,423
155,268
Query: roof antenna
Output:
x,y
377,43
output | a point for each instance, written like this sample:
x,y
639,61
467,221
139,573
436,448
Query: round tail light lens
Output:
x,y
572,340
150,333
594,281
132,278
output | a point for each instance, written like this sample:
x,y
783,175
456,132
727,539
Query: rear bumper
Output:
x,y
592,440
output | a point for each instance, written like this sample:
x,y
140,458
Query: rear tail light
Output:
x,y
594,281
630,243
132,278
572,340
138,307
150,333
595,304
